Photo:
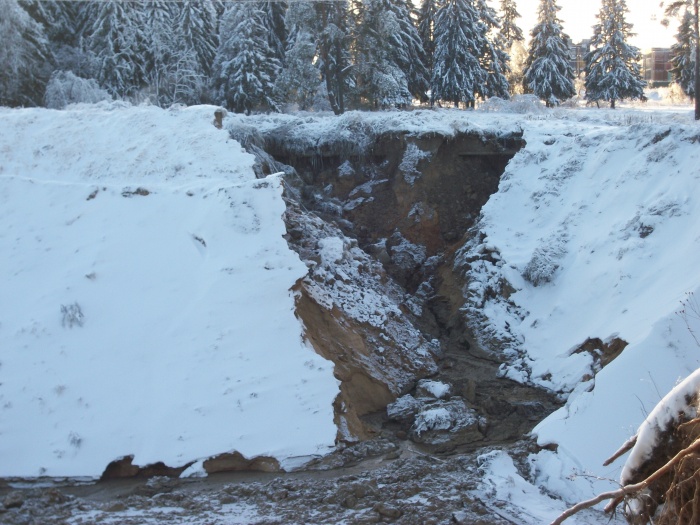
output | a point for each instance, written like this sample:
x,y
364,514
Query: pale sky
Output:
x,y
578,17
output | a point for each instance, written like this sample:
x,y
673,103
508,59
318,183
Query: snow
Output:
x,y
146,307
518,501
433,419
436,389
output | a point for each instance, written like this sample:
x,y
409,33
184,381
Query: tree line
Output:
x,y
255,55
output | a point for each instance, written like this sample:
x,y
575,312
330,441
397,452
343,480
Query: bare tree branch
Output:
x,y
627,445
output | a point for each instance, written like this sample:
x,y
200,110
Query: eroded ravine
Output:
x,y
408,202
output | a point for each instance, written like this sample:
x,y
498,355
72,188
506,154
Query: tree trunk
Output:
x,y
612,103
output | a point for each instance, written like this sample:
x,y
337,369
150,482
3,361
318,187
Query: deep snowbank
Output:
x,y
152,222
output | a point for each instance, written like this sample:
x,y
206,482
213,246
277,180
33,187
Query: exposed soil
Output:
x,y
380,481
411,217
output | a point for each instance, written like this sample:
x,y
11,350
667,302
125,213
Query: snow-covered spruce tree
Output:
x,y
275,12
683,55
510,32
24,53
389,55
195,47
548,73
426,25
159,17
457,73
299,79
66,23
413,59
245,67
333,52
612,68
117,40
494,55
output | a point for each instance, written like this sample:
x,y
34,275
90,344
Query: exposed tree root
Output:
x,y
682,496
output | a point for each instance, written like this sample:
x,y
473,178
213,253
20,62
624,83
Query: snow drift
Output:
x,y
145,303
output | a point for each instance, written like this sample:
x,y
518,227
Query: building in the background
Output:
x,y
656,67
578,55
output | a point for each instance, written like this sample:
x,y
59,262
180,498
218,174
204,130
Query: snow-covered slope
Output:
x,y
144,297
595,226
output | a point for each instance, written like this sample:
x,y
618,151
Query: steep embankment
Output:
x,y
145,306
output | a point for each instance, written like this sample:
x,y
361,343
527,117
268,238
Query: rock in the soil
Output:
x,y
13,500
443,422
404,408
388,511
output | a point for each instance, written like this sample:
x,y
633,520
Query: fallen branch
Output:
x,y
618,495
627,445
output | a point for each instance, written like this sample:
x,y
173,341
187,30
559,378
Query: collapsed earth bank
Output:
x,y
378,218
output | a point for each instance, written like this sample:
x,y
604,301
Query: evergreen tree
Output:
x,y
275,12
195,27
548,73
69,22
390,61
117,40
23,55
299,80
333,52
426,26
510,32
412,57
683,55
245,67
494,58
457,72
612,68
159,19
194,44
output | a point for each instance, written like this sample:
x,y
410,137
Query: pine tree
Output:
x,y
194,44
245,67
549,74
196,30
494,58
159,19
275,12
426,26
23,55
510,32
457,72
412,56
117,40
683,55
612,68
333,52
390,61
299,80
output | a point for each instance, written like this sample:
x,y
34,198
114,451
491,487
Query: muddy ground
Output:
x,y
376,482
